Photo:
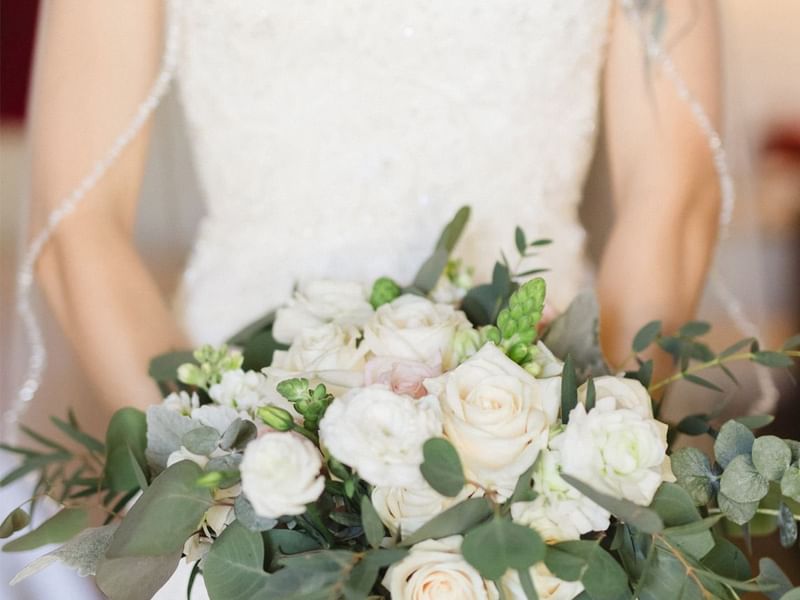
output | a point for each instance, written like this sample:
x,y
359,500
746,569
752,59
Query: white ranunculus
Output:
x,y
181,402
243,390
627,393
548,586
559,512
414,328
404,510
281,474
493,414
615,450
380,434
319,302
435,569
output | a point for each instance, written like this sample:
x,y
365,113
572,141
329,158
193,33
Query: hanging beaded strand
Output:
x,y
733,307
37,357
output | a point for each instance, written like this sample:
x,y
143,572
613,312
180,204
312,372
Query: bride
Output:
x,y
324,133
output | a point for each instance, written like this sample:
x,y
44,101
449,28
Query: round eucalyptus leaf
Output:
x,y
499,545
790,483
692,469
201,440
442,467
741,481
733,440
771,456
738,512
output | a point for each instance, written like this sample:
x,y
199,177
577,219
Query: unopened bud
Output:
x,y
276,417
384,290
293,390
518,352
191,374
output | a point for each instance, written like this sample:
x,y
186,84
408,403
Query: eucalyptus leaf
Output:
x,y
694,329
246,515
787,526
771,456
56,530
520,241
165,516
639,517
80,553
685,528
586,560
164,367
455,520
734,439
741,482
646,336
200,440
362,577
775,360
726,559
442,468
500,544
233,568
738,512
569,389
240,433
135,577
694,425
371,522
284,542
316,575
693,472
126,437
16,520
259,350
165,430
773,580
790,483
697,380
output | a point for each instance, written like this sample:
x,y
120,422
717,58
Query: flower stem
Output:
x,y
772,512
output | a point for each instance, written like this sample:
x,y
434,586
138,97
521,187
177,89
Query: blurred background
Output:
x,y
760,261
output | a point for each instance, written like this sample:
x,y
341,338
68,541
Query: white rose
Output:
x,y
401,376
548,586
414,328
380,434
615,450
627,393
319,302
404,510
559,512
181,402
435,569
328,347
493,414
281,474
242,390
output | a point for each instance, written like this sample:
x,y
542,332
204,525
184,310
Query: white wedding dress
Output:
x,y
335,139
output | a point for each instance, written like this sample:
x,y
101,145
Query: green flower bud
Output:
x,y
518,352
276,417
384,290
319,392
293,390
210,479
533,368
490,333
466,342
191,374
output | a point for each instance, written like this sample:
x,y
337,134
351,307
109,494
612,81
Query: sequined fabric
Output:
x,y
336,137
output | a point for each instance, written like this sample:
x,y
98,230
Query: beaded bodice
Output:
x,y
335,138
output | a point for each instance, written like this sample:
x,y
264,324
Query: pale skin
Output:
x,y
97,60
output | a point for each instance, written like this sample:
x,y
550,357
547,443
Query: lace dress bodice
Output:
x,y
335,138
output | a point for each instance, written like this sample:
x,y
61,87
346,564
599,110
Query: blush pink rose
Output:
x,y
402,376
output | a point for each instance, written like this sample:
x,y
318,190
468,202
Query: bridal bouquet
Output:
x,y
428,441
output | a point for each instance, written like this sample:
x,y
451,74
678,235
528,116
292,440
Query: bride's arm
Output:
x,y
665,188
95,62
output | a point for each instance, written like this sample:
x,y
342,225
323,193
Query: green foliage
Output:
x,y
365,572
587,561
238,434
790,483
787,526
384,290
727,560
259,350
233,568
646,336
16,520
772,359
135,577
442,468
693,472
774,582
246,515
499,544
734,439
165,516
428,275
311,404
569,389
126,441
483,303
455,520
56,530
771,456
741,482
371,522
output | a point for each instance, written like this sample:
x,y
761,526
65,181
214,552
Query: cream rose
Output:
x,y
493,414
328,347
404,510
627,393
617,451
435,569
414,328
559,512
380,434
319,302
548,586
281,474
401,376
